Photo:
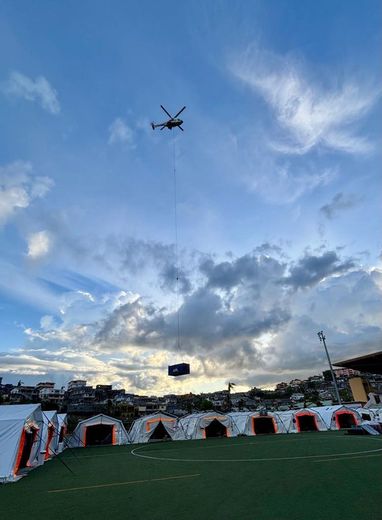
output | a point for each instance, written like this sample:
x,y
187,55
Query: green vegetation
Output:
x,y
327,486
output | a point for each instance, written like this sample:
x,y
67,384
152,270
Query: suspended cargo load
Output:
x,y
181,369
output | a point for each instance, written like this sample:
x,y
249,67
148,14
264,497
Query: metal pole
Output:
x,y
322,339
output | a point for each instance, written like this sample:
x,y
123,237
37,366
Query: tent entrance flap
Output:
x,y
49,441
345,420
28,440
215,429
99,434
306,423
263,425
62,434
160,433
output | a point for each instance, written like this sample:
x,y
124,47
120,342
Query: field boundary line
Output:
x,y
349,458
111,484
267,459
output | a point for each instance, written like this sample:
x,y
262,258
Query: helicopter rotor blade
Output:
x,y
180,111
164,126
180,128
169,115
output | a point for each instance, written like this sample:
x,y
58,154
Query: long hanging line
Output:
x,y
176,248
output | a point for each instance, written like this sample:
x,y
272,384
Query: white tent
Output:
x,y
204,425
305,420
20,427
62,430
159,426
49,435
339,416
98,430
254,423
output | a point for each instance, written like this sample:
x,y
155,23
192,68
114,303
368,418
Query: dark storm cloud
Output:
x,y
138,255
311,269
207,323
339,203
174,279
239,319
248,268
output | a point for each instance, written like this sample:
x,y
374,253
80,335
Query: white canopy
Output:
x,y
203,425
305,419
20,427
98,430
62,430
49,435
339,416
158,426
253,423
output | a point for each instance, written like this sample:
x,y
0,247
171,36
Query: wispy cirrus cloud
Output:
x,y
308,114
39,90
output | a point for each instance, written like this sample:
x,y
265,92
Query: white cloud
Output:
x,y
309,114
18,188
39,90
120,132
241,322
39,244
277,184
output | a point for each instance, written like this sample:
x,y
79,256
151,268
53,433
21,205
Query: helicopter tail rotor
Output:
x,y
153,126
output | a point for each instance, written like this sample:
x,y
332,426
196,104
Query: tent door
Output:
x,y
263,425
346,420
306,423
160,433
216,429
27,449
62,434
99,434
49,441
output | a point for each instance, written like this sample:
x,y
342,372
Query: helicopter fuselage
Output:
x,y
172,123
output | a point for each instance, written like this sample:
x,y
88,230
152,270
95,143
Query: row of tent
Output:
x,y
29,437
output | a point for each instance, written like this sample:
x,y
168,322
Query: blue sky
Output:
x,y
278,190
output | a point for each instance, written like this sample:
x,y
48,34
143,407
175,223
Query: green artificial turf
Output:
x,y
217,481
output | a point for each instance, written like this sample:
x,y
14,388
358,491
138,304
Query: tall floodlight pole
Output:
x,y
322,339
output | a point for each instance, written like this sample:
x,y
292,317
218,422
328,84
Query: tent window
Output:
x,y
99,434
27,449
216,429
160,433
306,423
346,420
263,425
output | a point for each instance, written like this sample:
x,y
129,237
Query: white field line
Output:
x,y
112,484
265,459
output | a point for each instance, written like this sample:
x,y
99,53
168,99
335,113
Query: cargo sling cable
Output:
x,y
174,122
176,247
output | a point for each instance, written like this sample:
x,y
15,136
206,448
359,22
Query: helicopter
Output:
x,y
171,123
